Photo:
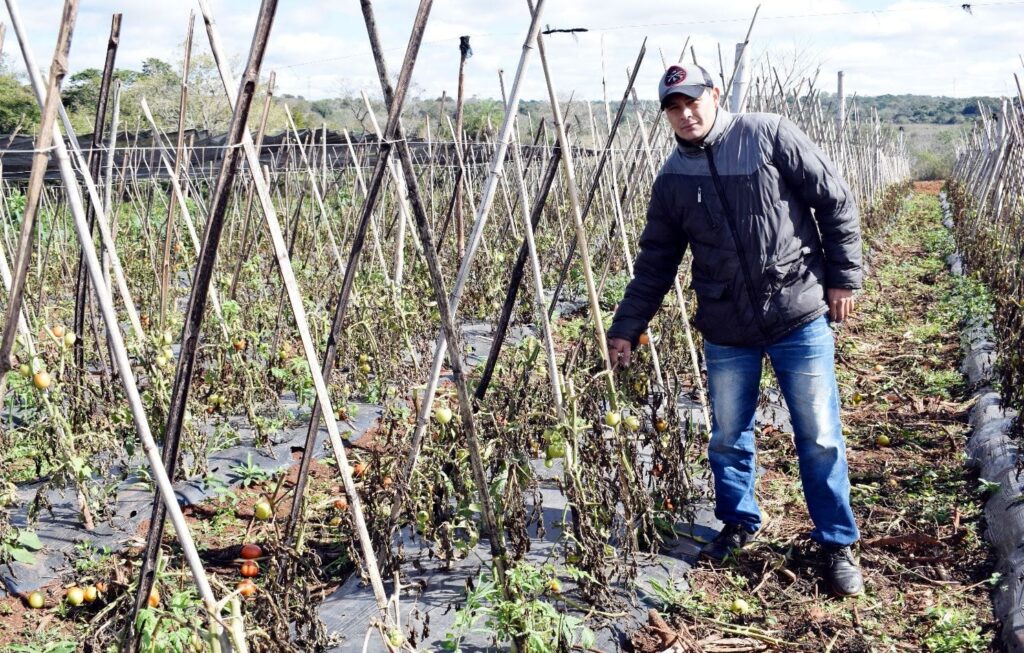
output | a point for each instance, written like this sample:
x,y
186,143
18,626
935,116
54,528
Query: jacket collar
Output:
x,y
723,120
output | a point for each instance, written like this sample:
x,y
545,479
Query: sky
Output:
x,y
319,48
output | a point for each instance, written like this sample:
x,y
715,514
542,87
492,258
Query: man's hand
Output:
x,y
620,352
840,304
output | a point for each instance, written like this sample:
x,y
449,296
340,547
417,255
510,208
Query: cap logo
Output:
x,y
675,76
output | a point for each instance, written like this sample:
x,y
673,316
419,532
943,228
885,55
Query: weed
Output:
x,y
953,631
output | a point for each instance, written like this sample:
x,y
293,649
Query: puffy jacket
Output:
x,y
762,259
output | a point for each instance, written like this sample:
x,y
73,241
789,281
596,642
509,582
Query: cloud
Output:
x,y
320,46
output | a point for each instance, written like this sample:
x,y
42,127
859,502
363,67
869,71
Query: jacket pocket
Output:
x,y
780,270
780,273
708,289
709,210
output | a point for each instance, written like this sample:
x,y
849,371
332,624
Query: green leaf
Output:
x,y
22,556
29,540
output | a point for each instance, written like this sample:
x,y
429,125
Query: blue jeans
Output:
x,y
804,365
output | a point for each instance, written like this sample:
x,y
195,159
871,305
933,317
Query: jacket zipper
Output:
x,y
744,264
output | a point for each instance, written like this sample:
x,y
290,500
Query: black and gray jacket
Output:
x,y
743,202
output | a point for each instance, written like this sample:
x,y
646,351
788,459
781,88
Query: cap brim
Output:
x,y
690,91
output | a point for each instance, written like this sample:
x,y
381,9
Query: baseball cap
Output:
x,y
690,80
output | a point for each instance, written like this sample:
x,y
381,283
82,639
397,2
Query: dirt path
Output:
x,y
926,564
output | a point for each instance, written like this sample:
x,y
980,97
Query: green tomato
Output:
x,y
76,596
739,606
555,450
632,422
443,414
612,418
263,510
36,600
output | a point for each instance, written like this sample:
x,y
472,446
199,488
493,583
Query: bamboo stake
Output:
x,y
123,364
47,132
341,307
460,228
298,311
491,522
81,286
201,281
165,269
246,242
480,220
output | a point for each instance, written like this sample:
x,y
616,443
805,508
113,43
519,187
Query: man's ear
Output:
x,y
716,93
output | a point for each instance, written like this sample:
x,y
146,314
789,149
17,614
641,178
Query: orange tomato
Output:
x,y
246,587
250,552
250,569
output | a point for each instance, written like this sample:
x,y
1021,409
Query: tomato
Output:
x,y
341,503
443,414
612,418
25,370
69,339
91,593
645,339
246,587
739,606
554,586
360,469
263,510
36,600
167,338
883,440
335,521
154,598
632,422
387,482
161,361
42,380
239,344
75,596
250,552
395,637
58,331
660,426
250,569
555,450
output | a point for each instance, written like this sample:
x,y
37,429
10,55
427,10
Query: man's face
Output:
x,y
691,118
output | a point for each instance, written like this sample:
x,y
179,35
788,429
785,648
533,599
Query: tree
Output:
x,y
82,90
18,106
321,107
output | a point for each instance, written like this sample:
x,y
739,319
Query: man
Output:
x,y
775,238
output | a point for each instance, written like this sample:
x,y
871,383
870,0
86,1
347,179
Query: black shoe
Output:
x,y
729,541
841,570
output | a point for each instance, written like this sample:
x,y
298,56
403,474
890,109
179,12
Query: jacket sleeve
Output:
x,y
662,245
810,174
